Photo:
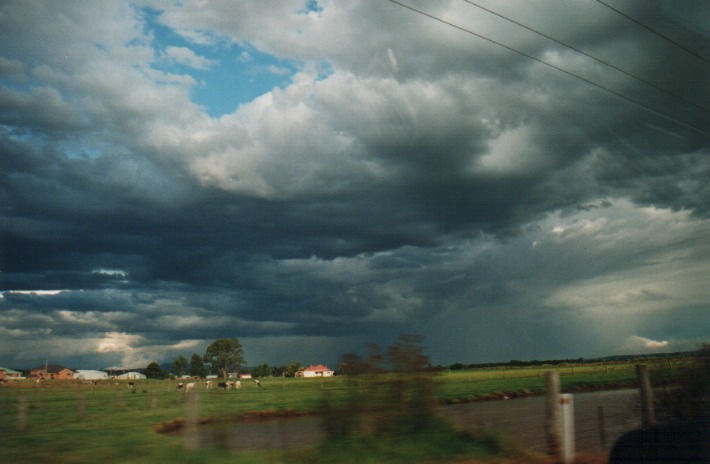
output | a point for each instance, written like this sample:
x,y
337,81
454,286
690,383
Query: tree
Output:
x,y
225,355
197,366
179,365
292,368
153,371
407,355
263,370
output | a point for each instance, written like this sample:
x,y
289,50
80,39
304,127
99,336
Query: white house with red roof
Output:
x,y
316,371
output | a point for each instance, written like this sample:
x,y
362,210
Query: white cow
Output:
x,y
189,387
208,385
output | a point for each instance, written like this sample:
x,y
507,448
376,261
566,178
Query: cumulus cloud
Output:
x,y
187,57
638,344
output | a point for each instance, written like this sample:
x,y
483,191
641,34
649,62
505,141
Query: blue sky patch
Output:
x,y
227,74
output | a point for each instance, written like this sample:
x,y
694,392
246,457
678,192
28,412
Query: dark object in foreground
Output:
x,y
683,443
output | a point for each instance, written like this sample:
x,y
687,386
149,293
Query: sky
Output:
x,y
518,179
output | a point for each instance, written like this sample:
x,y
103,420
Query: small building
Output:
x,y
82,374
52,372
131,376
245,376
9,374
315,371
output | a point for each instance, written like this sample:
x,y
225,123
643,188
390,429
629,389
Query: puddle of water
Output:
x,y
522,419
282,433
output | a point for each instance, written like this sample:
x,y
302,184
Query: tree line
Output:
x,y
222,357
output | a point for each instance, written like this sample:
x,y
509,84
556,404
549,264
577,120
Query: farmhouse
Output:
x,y
8,374
53,372
315,371
90,375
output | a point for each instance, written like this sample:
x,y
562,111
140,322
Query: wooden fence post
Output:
x,y
647,412
601,426
81,406
552,416
120,402
21,423
192,432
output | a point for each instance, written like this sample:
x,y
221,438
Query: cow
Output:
x,y
224,385
238,385
258,384
208,384
179,386
131,385
189,387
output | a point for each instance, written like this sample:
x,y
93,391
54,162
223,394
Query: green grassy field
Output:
x,y
73,422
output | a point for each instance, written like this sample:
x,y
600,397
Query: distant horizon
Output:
x,y
542,361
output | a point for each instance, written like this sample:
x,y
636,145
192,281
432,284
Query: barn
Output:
x,y
131,376
82,374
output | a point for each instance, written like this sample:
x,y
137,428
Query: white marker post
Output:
x,y
567,415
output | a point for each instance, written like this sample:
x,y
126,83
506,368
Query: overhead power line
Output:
x,y
598,60
636,21
550,65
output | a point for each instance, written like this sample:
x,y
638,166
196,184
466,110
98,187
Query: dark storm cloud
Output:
x,y
424,180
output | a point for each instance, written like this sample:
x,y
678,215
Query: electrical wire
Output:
x,y
550,65
598,60
682,47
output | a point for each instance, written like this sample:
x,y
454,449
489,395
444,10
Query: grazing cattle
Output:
x,y
238,385
208,385
224,385
131,385
189,387
179,386
258,384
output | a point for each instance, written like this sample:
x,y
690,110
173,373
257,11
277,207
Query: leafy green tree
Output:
x,y
197,366
404,399
292,368
179,365
153,371
225,355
